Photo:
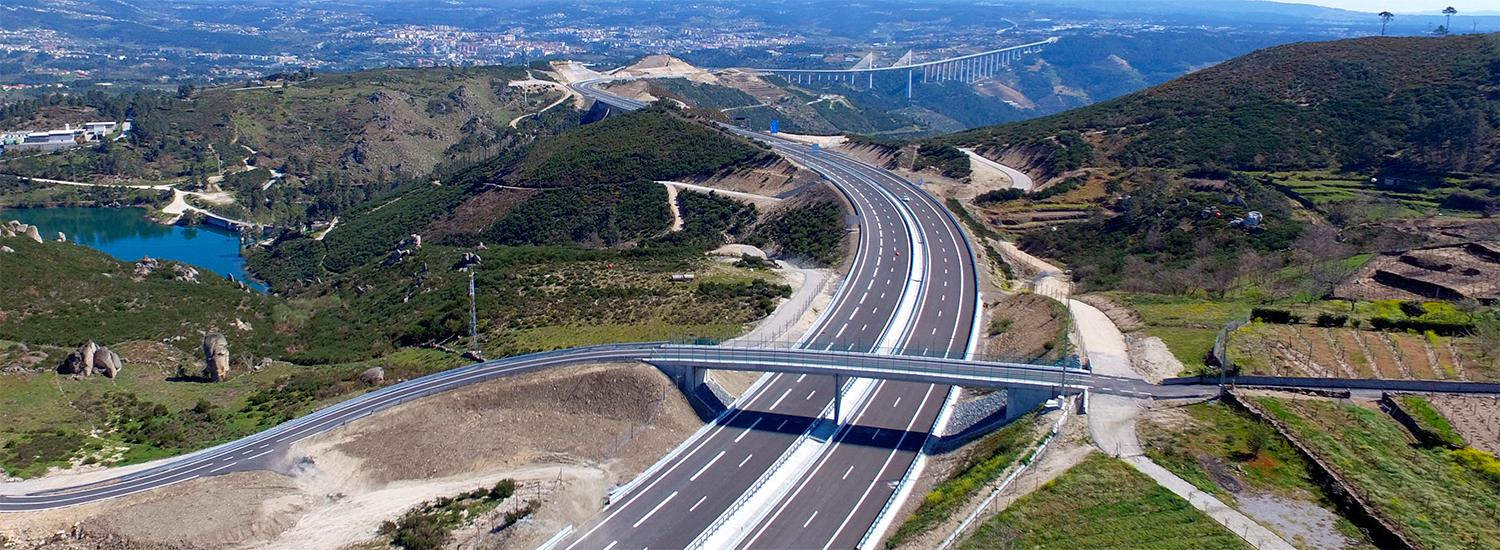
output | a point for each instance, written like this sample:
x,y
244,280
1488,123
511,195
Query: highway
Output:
x,y
835,503
911,290
691,490
910,253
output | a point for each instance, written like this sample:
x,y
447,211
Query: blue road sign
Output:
x,y
775,125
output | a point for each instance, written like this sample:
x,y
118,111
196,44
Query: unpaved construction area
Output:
x,y
565,435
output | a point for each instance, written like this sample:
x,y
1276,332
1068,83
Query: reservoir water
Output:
x,y
126,234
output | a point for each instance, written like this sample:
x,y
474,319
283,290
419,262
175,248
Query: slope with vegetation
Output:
x,y
1358,169
1102,503
336,138
1409,104
570,260
1435,497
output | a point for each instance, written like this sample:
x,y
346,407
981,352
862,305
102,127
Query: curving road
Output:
x,y
912,289
693,488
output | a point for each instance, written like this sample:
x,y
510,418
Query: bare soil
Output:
x,y
772,179
1031,323
567,435
478,213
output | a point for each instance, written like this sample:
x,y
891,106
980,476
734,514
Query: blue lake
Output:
x,y
128,235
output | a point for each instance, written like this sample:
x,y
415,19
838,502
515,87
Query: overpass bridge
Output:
x,y
963,68
685,362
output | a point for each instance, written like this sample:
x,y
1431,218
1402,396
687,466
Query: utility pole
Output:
x,y
473,318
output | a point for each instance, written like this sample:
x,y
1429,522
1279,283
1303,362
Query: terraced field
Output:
x,y
1325,189
1300,350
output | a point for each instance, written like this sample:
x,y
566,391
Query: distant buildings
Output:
x,y
52,140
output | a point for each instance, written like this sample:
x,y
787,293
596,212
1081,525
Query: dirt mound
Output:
x,y
777,178
565,435
666,65
1025,326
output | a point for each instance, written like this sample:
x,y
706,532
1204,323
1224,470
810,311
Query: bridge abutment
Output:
x,y
705,398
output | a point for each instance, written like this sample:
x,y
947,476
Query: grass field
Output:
x,y
1248,452
1442,498
1187,325
1102,503
1267,461
986,461
1326,189
1431,420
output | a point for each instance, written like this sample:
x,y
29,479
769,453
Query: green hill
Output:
x,y
589,186
1333,132
651,144
1401,104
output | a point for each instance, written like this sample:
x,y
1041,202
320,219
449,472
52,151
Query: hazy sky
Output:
x,y
1400,6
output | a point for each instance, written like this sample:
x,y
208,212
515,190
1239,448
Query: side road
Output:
x,y
1112,418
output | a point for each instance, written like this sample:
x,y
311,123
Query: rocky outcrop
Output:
x,y
15,228
372,375
215,357
86,357
107,362
185,273
406,247
144,268
467,261
90,358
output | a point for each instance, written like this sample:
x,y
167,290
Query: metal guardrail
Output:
x,y
1428,386
932,369
1026,464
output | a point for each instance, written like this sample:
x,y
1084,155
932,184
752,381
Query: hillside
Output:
x,y
592,186
318,143
1081,69
650,145
1402,104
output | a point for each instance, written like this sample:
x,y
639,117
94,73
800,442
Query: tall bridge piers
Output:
x,y
966,68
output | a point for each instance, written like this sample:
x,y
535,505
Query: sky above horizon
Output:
x,y
1397,6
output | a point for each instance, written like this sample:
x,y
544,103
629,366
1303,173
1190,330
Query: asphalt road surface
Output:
x,y
837,501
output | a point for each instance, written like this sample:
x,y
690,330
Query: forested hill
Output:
x,y
651,143
590,186
1390,104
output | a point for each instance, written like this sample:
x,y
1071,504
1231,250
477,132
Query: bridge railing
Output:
x,y
954,350
935,369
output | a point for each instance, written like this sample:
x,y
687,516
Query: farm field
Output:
x,y
1344,352
1476,417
